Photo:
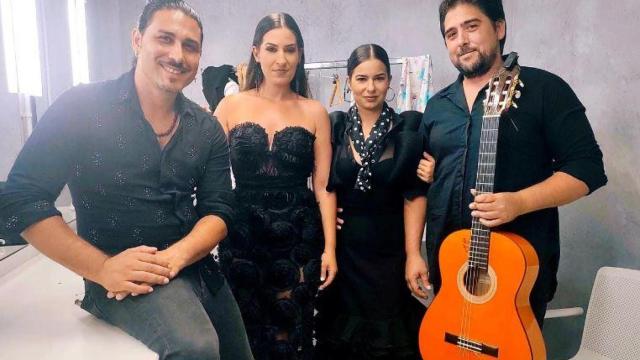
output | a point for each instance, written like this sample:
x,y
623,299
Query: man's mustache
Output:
x,y
177,65
465,50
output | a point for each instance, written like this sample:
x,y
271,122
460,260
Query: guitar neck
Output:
x,y
480,234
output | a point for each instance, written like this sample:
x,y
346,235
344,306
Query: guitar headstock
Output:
x,y
503,88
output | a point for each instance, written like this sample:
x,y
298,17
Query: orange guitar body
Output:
x,y
495,323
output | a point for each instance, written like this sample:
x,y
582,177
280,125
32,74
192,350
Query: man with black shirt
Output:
x,y
134,151
547,155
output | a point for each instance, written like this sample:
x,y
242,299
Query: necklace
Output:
x,y
171,128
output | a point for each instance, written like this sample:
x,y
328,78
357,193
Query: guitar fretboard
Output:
x,y
480,234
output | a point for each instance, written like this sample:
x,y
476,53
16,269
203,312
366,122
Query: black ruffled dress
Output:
x,y
368,312
272,256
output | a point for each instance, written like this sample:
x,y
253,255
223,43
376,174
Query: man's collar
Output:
x,y
454,87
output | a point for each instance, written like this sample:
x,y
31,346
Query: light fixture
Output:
x,y
21,46
78,37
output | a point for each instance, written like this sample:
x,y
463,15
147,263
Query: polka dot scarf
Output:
x,y
369,149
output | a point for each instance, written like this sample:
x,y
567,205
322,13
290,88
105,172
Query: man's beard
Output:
x,y
480,67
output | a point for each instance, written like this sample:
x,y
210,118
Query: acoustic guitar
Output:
x,y
482,310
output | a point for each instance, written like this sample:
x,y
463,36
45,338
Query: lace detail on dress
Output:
x,y
289,155
272,256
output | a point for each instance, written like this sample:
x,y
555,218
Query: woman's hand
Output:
x,y
339,220
426,168
328,269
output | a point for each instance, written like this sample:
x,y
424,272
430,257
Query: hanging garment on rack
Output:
x,y
241,74
218,82
232,87
337,97
416,86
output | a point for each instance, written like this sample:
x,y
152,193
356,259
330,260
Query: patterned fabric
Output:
x,y
416,85
370,148
272,256
127,191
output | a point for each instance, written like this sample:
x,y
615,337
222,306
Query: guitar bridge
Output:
x,y
471,345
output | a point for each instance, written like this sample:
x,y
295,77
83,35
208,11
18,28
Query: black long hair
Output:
x,y
366,52
255,77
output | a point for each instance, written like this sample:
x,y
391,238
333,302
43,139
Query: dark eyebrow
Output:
x,y
192,42
375,75
276,45
187,40
449,30
164,32
468,22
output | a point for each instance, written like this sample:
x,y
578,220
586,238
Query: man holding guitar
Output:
x,y
546,153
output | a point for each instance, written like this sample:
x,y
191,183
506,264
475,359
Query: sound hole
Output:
x,y
477,281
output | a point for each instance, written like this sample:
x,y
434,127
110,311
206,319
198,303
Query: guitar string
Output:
x,y
479,244
485,169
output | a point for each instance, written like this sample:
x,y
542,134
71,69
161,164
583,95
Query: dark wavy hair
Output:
x,y
491,8
255,77
154,6
366,52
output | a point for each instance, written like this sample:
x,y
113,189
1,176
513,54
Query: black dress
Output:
x,y
272,255
368,312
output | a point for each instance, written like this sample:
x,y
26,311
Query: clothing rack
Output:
x,y
339,64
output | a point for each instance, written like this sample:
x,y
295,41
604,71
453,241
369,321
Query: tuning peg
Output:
x,y
518,94
515,106
520,83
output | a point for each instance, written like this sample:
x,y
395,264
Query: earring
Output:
x,y
394,95
346,92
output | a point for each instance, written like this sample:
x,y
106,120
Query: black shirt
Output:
x,y
548,132
127,191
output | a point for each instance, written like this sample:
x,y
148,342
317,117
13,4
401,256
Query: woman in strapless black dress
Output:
x,y
369,313
281,248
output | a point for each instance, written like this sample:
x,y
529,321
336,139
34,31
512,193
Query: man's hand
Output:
x,y
415,271
426,168
174,263
496,209
134,270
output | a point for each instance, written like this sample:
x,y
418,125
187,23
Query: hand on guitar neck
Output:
x,y
493,209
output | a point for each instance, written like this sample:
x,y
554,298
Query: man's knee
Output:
x,y
201,347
